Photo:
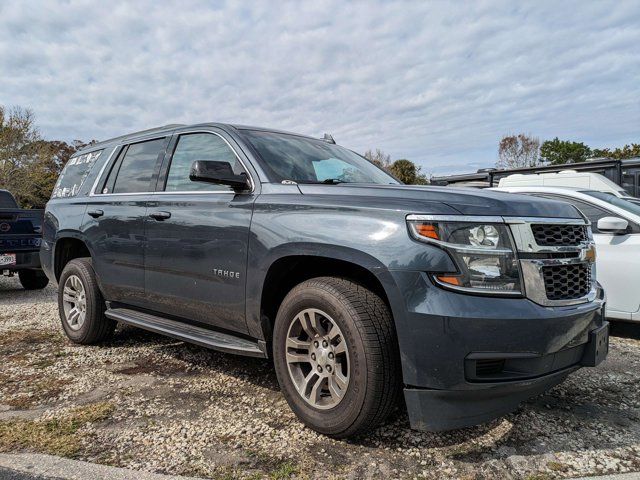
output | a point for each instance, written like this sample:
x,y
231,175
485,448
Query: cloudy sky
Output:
x,y
435,82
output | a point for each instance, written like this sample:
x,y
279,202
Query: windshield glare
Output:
x,y
615,200
289,158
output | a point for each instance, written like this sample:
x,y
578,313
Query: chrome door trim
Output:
x,y
92,192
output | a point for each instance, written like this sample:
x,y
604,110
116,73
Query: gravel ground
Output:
x,y
168,407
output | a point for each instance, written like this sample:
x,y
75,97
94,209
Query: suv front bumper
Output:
x,y
437,410
469,359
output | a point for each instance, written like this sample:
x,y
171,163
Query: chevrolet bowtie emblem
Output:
x,y
589,254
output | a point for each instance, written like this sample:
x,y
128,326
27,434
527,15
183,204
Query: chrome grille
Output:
x,y
556,258
567,282
550,235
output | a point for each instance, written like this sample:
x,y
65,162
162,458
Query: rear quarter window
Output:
x,y
74,174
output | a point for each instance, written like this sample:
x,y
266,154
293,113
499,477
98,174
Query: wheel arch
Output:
x,y
290,266
68,245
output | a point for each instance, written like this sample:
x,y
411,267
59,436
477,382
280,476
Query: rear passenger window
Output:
x,y
134,168
198,146
74,174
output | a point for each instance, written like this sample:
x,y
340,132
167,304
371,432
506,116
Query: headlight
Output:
x,y
483,253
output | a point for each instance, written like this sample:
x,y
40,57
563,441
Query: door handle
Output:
x,y
95,213
160,215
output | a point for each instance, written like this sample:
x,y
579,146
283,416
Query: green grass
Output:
x,y
58,436
284,471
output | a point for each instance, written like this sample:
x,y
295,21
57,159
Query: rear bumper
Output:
x,y
24,261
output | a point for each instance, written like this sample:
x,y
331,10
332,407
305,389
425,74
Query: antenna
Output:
x,y
328,138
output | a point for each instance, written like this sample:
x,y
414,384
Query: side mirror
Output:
x,y
614,225
219,173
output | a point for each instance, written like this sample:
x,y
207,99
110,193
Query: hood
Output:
x,y
466,201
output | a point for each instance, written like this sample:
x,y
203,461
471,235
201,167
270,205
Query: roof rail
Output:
x,y
141,132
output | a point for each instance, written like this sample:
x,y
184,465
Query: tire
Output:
x,y
369,357
87,325
33,279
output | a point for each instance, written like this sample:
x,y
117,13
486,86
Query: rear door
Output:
x,y
114,219
198,236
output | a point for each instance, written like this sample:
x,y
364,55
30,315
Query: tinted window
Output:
x,y
198,146
133,171
630,207
74,174
7,200
629,183
289,158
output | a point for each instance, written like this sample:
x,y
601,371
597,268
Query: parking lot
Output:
x,y
151,403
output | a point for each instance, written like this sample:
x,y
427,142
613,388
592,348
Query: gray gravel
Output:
x,y
184,410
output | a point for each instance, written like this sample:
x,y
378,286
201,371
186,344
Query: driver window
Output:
x,y
198,146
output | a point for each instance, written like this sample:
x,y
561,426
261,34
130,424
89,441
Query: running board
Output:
x,y
222,342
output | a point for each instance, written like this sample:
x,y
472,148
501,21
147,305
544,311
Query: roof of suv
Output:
x,y
173,126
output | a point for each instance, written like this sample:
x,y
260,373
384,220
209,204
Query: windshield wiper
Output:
x,y
328,181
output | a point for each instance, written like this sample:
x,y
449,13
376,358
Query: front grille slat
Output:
x,y
567,282
550,235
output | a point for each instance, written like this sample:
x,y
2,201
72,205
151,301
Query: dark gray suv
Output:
x,y
271,244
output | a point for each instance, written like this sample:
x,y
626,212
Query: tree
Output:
x,y
628,151
378,158
516,151
558,152
407,172
30,165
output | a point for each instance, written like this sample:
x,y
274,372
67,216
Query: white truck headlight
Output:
x,y
484,254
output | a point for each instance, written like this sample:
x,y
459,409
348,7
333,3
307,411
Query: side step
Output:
x,y
223,342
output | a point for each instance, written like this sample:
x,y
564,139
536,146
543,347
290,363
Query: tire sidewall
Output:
x,y
94,311
343,415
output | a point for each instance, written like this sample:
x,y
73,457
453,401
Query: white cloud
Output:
x,y
438,83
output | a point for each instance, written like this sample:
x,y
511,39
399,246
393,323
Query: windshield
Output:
x,y
289,158
630,207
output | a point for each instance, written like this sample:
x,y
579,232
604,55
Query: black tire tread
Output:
x,y
375,324
99,327
32,279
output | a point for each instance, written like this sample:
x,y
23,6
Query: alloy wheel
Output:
x,y
317,358
74,301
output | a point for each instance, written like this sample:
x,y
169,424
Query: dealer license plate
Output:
x,y
7,259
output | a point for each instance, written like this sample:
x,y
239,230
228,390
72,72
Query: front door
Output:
x,y
617,266
114,221
196,256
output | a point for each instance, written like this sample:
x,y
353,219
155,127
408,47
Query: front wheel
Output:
x,y
336,356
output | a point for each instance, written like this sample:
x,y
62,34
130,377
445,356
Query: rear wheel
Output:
x,y
336,356
81,305
33,279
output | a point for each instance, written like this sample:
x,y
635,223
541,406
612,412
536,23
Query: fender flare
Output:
x,y
256,282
